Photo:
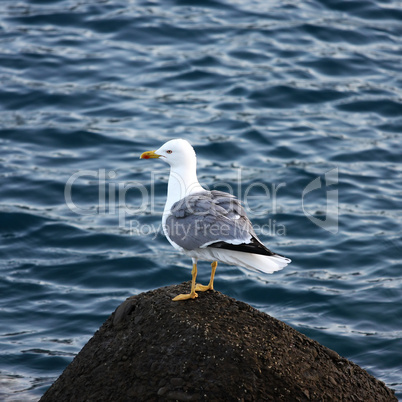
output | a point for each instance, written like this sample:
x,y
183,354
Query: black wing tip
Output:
x,y
254,247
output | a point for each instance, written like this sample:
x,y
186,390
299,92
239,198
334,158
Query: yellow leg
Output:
x,y
210,286
192,294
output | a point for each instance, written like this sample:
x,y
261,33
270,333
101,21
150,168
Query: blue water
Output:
x,y
293,106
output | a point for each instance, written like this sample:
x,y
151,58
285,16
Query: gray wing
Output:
x,y
207,218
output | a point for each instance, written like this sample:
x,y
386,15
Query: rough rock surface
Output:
x,y
213,348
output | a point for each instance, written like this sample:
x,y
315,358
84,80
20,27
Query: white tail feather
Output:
x,y
255,262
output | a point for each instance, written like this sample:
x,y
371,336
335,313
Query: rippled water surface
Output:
x,y
294,106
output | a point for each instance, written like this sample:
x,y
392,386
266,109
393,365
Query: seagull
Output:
x,y
207,225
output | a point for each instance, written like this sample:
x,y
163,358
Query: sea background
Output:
x,y
293,106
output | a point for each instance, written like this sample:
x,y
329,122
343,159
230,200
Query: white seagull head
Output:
x,y
177,153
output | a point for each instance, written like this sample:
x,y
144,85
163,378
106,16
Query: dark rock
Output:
x,y
213,348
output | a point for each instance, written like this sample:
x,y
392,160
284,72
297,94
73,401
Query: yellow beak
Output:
x,y
149,155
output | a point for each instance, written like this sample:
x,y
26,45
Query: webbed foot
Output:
x,y
186,296
203,288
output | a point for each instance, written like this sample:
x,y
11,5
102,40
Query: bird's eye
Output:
x,y
169,151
